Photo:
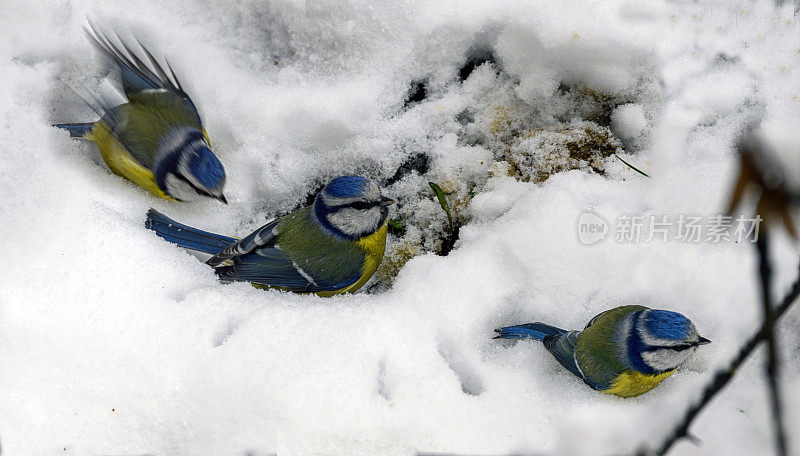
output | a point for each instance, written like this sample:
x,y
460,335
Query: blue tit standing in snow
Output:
x,y
156,139
626,351
333,246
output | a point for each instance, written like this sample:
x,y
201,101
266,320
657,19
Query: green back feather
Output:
x,y
322,255
596,347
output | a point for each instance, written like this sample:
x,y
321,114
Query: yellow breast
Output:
x,y
121,162
631,383
373,246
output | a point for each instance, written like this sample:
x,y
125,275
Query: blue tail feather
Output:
x,y
186,236
537,331
77,130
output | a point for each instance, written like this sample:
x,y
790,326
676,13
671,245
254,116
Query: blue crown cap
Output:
x,y
667,325
346,186
205,166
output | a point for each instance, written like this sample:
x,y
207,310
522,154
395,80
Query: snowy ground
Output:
x,y
114,342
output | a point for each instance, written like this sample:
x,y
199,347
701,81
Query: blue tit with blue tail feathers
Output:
x,y
156,139
332,246
625,351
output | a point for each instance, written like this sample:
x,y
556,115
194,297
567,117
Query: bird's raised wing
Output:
x,y
136,74
157,102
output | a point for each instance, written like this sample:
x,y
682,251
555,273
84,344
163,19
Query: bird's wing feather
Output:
x,y
563,349
324,256
598,347
262,237
293,252
136,74
273,267
157,102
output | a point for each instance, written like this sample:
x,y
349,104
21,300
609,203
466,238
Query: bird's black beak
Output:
x,y
386,201
222,198
702,341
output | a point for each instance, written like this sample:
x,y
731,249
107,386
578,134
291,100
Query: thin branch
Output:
x,y
724,376
772,367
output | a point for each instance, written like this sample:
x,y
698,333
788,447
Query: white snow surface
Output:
x,y
114,342
629,120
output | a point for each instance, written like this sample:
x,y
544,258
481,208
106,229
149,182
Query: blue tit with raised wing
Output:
x,y
332,246
156,139
625,351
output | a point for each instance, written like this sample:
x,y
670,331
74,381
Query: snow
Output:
x,y
629,120
113,341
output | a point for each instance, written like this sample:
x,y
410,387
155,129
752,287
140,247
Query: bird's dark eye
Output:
x,y
360,205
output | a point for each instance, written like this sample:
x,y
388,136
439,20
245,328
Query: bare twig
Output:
x,y
723,376
772,367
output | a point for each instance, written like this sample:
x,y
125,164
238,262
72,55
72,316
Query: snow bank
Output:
x,y
113,341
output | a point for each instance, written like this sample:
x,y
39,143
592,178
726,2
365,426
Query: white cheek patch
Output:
x,y
665,359
332,201
175,142
356,222
179,189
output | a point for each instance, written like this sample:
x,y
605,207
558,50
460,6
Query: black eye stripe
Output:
x,y
362,205
198,190
354,205
681,347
